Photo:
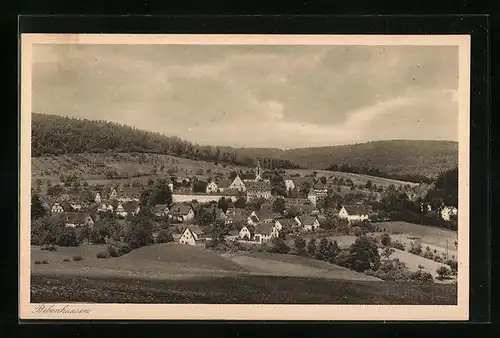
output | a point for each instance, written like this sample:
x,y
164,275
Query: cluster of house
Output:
x,y
75,211
261,226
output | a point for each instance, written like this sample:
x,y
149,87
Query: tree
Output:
x,y
240,202
322,179
55,190
164,236
333,250
443,272
218,234
140,232
279,246
200,186
67,237
322,253
300,246
369,185
385,240
416,248
311,247
387,252
37,209
224,204
364,254
279,205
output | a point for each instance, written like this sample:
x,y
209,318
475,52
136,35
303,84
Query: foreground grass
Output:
x,y
236,290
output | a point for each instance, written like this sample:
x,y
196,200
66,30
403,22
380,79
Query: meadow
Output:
x,y
177,273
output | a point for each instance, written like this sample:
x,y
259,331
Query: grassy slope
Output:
x,y
236,290
160,261
95,166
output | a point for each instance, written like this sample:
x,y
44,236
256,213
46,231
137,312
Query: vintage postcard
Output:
x,y
244,177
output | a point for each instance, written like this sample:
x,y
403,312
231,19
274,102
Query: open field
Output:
x,y
435,238
93,166
356,178
290,265
236,290
413,261
179,273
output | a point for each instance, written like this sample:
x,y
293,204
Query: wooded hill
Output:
x,y
398,159
57,135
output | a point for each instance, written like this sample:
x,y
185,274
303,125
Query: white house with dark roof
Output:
x,y
258,189
211,188
264,232
238,184
181,213
192,235
354,213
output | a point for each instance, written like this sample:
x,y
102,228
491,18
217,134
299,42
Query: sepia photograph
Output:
x,y
244,177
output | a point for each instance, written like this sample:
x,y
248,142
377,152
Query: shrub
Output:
x,y
68,237
112,251
421,267
45,261
102,254
66,260
387,252
38,262
428,255
77,258
453,264
164,237
279,246
357,231
398,245
124,249
438,259
443,272
343,258
421,277
416,248
385,239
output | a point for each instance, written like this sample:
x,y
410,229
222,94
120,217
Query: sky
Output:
x,y
255,96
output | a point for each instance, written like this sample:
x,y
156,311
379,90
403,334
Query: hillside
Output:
x,y
428,158
397,159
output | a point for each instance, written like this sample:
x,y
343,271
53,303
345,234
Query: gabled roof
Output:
x,y
180,210
263,215
230,192
224,183
250,228
259,185
160,207
196,229
130,206
307,220
320,186
287,222
236,217
264,228
356,209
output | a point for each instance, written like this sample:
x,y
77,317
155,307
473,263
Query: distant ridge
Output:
x,y
52,134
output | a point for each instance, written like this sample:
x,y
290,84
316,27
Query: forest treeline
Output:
x,y
57,135
379,173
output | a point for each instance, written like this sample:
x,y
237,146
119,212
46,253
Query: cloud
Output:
x,y
273,96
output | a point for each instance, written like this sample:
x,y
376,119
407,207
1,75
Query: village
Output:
x,y
253,209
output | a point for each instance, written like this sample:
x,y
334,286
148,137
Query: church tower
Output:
x,y
258,172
